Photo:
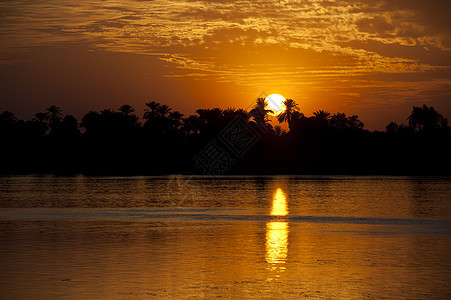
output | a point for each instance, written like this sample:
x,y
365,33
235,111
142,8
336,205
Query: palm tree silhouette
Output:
x,y
127,116
260,113
231,113
287,115
175,119
55,113
210,116
420,146
126,109
163,111
322,115
40,117
151,110
278,130
192,124
54,117
8,117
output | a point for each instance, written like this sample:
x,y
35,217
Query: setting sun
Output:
x,y
275,103
236,149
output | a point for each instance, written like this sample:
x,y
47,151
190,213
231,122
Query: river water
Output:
x,y
273,237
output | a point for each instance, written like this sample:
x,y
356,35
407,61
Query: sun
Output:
x,y
275,103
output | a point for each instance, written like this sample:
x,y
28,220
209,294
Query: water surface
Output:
x,y
229,237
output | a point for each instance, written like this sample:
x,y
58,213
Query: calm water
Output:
x,y
232,237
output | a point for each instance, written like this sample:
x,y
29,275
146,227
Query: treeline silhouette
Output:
x,y
166,142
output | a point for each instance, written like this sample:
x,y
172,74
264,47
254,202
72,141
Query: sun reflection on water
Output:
x,y
277,233
276,242
279,204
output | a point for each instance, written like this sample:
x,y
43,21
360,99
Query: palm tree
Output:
x,y
126,109
40,117
192,124
163,111
261,105
288,113
54,117
151,110
177,116
210,116
278,130
243,114
126,115
232,113
54,112
8,117
260,113
322,115
108,112
176,119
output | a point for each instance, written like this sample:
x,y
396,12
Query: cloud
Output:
x,y
313,43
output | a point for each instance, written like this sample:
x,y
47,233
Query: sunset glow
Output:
x,y
233,149
371,58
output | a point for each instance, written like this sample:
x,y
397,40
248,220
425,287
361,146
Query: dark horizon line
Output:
x,y
218,141
141,117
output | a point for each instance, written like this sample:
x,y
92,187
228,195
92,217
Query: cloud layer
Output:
x,y
379,50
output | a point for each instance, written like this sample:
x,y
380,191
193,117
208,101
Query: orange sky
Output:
x,y
372,58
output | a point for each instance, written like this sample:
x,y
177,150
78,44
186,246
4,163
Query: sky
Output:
x,y
372,58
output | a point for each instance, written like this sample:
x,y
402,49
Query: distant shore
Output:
x,y
222,142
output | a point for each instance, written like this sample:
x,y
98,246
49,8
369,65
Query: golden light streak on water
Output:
x,y
276,242
279,204
277,233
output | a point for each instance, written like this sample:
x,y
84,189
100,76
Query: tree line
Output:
x,y
164,141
